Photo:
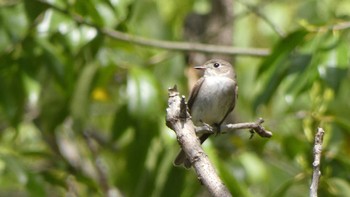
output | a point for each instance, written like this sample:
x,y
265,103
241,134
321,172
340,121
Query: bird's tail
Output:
x,y
182,159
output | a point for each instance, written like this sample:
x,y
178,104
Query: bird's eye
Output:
x,y
216,65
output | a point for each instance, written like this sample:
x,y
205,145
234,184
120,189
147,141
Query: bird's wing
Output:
x,y
194,92
233,103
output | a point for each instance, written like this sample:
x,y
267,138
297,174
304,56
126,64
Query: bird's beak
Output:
x,y
199,67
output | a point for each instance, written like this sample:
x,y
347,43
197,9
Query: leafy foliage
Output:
x,y
82,114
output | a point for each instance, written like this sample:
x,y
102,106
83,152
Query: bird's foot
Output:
x,y
212,129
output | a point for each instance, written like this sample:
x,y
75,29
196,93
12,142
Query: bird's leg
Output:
x,y
251,133
216,128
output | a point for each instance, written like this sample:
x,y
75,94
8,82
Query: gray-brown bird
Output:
x,y
212,98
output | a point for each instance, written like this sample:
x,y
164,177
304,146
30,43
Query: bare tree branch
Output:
x,y
178,119
92,139
101,175
317,161
169,45
184,46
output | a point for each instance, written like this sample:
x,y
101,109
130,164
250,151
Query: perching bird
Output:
x,y
212,98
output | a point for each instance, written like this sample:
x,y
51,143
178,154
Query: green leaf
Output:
x,y
88,9
282,50
333,76
272,83
295,63
14,168
13,94
14,21
254,167
122,121
142,91
335,64
342,121
339,187
80,101
35,185
175,183
283,188
343,53
52,59
293,146
91,48
299,62
304,79
53,105
280,63
142,116
236,187
34,9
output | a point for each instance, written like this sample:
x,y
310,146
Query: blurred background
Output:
x,y
82,104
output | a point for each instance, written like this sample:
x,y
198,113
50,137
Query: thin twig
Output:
x,y
255,126
335,27
317,161
189,142
339,26
256,11
102,140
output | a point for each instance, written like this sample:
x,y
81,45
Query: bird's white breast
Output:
x,y
214,99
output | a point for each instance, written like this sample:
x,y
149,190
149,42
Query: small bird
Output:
x,y
212,98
